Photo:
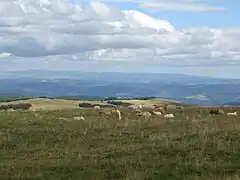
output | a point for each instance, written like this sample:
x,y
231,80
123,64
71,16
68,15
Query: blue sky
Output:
x,y
182,19
198,37
219,19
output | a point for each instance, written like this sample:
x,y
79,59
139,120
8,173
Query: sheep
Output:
x,y
179,107
232,114
146,114
160,109
168,116
113,111
61,118
96,107
133,106
118,114
158,113
217,111
107,111
79,118
138,111
171,106
141,106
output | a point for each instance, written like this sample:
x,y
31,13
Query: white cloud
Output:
x,y
4,55
39,29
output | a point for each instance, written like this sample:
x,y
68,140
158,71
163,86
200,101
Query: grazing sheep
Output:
x,y
169,116
158,113
140,106
138,111
232,114
217,111
160,109
171,106
133,106
107,111
62,118
221,111
118,114
96,107
146,114
112,111
79,118
180,107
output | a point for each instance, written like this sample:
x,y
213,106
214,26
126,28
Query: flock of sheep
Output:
x,y
139,111
157,110
221,112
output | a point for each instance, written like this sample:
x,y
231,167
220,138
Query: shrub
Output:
x,y
23,106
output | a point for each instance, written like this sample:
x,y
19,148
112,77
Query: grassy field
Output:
x,y
51,145
57,104
52,104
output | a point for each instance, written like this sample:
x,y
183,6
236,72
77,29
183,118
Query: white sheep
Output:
x,y
10,110
96,107
169,116
158,113
232,114
146,114
79,118
133,106
161,109
118,114
138,111
113,111
62,118
140,106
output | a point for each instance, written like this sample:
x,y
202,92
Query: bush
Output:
x,y
86,105
23,106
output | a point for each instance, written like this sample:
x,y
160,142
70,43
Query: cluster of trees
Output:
x,y
23,106
119,103
109,104
89,105
13,99
136,98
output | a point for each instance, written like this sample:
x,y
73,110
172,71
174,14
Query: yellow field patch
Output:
x,y
54,104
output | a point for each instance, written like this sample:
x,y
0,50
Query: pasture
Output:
x,y
57,104
50,144
50,104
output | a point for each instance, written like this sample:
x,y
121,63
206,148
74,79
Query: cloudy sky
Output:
x,y
200,37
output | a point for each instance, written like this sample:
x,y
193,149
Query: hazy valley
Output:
x,y
183,88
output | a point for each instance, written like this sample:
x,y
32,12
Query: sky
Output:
x,y
198,37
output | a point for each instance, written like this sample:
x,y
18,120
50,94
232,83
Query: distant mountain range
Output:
x,y
183,88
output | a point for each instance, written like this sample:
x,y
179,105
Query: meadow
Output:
x,y
51,145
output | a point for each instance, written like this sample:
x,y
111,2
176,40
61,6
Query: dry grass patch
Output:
x,y
52,104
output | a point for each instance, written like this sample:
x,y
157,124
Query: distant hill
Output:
x,y
95,86
235,103
9,98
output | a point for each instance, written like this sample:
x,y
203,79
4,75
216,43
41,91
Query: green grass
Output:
x,y
43,145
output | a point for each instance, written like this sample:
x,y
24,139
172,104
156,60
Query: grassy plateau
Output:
x,y
51,145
